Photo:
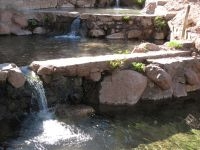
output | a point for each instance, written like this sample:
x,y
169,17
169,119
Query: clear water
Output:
x,y
25,49
161,127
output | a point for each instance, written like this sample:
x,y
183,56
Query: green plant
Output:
x,y
126,18
140,2
126,51
137,66
116,64
174,44
160,23
32,23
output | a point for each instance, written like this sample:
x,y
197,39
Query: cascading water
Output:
x,y
40,130
74,33
117,3
37,88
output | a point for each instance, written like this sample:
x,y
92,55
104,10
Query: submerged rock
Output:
x,y
122,88
74,111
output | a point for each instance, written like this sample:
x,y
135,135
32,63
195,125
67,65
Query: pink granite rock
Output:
x,y
122,88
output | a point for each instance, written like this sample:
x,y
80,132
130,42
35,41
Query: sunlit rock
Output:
x,y
122,88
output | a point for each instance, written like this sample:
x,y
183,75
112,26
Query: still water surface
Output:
x,y
25,49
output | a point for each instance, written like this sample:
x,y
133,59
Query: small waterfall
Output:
x,y
75,27
117,3
37,88
74,33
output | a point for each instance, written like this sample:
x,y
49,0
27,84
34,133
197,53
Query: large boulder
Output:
x,y
122,88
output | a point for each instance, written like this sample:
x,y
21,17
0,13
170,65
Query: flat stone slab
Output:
x,y
91,67
105,58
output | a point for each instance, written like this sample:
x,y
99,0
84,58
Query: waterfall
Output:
x,y
37,88
75,27
117,3
74,33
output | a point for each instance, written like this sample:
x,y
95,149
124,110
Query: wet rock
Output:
x,y
122,88
39,30
74,111
159,76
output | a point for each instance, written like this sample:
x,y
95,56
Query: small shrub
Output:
x,y
126,51
160,23
32,23
139,67
126,18
174,44
116,64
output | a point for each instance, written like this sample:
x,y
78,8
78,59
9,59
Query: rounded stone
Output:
x,y
122,88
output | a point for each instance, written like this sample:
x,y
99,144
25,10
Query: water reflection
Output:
x,y
24,50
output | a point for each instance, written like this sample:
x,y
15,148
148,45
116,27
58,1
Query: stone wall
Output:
x,y
123,27
37,4
28,4
92,25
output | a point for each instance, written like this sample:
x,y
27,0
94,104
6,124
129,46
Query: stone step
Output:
x,y
170,60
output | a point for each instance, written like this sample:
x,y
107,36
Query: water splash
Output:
x,y
74,31
40,130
